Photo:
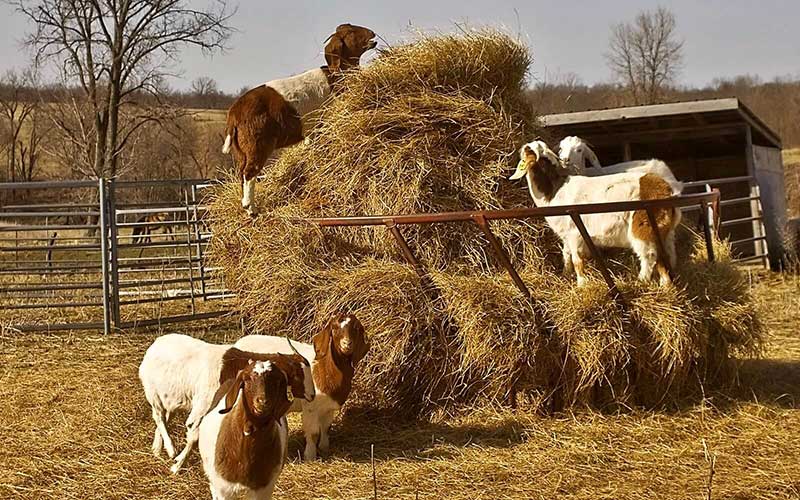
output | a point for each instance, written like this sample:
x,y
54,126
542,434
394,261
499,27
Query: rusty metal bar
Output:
x,y
517,213
707,233
598,257
660,249
408,254
501,254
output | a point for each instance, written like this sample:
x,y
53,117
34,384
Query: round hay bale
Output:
x,y
433,126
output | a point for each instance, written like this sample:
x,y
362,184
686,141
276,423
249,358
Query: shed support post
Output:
x,y
707,222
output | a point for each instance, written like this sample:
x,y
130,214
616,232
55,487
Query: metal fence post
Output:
x,y
199,246
104,255
112,234
189,245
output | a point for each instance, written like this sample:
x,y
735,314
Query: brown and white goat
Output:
x,y
243,439
334,355
550,185
179,372
269,117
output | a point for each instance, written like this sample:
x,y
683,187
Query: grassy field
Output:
x,y
791,162
75,425
791,156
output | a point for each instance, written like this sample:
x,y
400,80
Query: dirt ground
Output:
x,y
75,425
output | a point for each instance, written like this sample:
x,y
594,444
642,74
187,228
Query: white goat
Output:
x,y
179,372
550,184
334,355
574,152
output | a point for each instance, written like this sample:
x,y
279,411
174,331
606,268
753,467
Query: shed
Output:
x,y
715,143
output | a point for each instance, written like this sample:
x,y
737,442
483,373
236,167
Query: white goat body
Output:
x,y
179,372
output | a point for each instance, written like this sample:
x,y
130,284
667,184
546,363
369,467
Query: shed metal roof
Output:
x,y
631,119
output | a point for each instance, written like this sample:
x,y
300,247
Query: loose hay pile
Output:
x,y
430,127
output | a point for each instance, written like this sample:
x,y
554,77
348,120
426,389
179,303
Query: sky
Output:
x,y
722,38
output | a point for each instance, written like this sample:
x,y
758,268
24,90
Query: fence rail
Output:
x,y
707,202
135,256
751,203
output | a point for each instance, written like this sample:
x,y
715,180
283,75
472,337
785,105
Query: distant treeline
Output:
x,y
212,99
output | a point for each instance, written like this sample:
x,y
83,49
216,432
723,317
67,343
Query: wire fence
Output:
x,y
112,254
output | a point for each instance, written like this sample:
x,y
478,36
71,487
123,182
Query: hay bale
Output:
x,y
432,126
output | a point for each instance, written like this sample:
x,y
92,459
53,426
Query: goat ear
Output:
x,y
228,391
233,392
322,342
593,158
362,346
282,401
333,52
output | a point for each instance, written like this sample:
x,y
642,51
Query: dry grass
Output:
x,y
791,163
433,126
791,156
75,425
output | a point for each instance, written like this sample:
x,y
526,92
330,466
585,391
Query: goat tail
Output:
x,y
226,148
230,139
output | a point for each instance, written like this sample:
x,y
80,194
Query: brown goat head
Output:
x,y
264,392
346,46
295,367
344,334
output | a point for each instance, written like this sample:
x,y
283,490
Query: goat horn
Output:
x,y
295,349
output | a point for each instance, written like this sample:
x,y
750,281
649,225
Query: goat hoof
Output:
x,y
175,468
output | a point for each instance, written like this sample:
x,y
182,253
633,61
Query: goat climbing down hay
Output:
x,y
434,126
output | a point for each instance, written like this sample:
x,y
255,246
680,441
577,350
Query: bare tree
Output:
x,y
205,91
117,52
18,103
204,85
646,55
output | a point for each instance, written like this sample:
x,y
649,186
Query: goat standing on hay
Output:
x,y
334,355
243,439
179,372
574,152
550,185
268,117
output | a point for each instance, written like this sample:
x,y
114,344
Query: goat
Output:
x,y
574,152
243,439
550,184
334,355
179,372
268,117
141,234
